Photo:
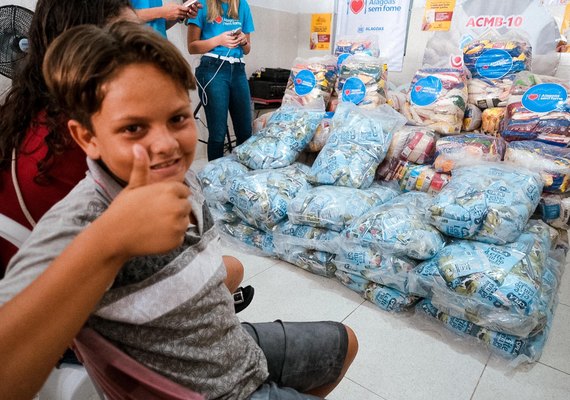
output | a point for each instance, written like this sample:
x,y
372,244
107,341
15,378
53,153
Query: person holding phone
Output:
x,y
163,16
221,33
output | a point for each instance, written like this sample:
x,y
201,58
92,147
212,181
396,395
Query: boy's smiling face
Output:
x,y
142,105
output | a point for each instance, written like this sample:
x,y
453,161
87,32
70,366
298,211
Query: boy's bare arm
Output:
x,y
38,324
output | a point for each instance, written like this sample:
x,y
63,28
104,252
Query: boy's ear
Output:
x,y
84,138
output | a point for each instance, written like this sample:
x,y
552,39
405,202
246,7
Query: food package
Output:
x,y
247,238
491,120
356,44
260,198
500,287
288,132
321,134
437,99
551,162
554,209
311,81
362,80
335,207
470,148
472,119
490,202
538,109
423,178
358,143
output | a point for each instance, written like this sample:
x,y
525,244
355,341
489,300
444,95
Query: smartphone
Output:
x,y
235,32
189,3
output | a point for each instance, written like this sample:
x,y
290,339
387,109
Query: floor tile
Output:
x,y
556,352
564,289
286,292
398,361
349,390
531,382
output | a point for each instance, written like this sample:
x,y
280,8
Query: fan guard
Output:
x,y
14,25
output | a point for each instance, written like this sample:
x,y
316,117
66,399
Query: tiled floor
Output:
x,y
401,358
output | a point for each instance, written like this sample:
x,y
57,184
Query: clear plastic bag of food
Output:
x,y
312,80
470,148
247,238
489,202
362,80
359,141
335,207
260,198
437,99
288,132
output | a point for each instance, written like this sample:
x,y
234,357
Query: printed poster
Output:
x,y
437,15
383,20
320,32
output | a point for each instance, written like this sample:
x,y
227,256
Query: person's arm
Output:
x,y
198,46
39,323
171,12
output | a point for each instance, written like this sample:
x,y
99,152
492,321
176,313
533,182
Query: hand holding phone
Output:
x,y
189,3
235,32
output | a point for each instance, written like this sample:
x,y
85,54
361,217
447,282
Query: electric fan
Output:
x,y
14,24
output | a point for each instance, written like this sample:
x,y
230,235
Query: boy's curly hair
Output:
x,y
80,62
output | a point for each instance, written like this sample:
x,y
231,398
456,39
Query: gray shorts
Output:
x,y
300,356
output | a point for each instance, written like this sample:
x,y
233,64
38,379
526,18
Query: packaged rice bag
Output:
x,y
358,143
488,202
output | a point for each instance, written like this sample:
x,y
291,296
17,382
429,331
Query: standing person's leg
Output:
x,y
240,104
216,79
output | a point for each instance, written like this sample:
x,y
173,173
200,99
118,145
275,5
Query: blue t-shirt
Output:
x,y
223,24
159,24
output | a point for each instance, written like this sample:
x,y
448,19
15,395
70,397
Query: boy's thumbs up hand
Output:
x,y
147,218
141,167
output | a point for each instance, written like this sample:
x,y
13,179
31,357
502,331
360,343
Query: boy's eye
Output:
x,y
177,119
132,129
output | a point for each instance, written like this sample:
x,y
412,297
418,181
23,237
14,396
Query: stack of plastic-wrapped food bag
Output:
x,y
502,295
287,133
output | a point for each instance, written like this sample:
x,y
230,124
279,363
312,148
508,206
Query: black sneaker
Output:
x,y
242,298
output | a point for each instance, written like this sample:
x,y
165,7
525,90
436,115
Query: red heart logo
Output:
x,y
418,88
218,20
485,67
356,6
347,92
533,96
298,81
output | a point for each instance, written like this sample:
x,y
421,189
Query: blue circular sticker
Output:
x,y
544,97
353,90
341,58
304,82
426,91
494,63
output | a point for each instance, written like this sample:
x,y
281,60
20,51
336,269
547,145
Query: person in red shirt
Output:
x,y
34,145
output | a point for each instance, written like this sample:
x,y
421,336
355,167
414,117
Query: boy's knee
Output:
x,y
352,347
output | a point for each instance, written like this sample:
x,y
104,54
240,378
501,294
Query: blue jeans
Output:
x,y
228,91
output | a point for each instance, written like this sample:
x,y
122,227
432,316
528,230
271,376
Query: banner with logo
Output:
x,y
437,15
387,20
320,32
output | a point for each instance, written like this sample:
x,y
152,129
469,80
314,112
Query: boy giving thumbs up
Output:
x,y
125,92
